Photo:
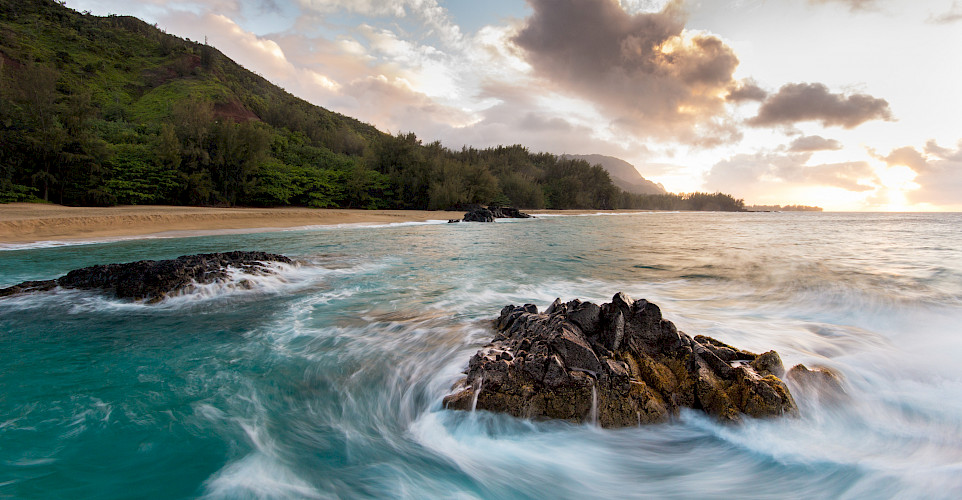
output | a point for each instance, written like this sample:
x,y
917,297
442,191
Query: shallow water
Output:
x,y
325,381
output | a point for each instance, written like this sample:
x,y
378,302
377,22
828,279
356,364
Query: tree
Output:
x,y
238,150
35,90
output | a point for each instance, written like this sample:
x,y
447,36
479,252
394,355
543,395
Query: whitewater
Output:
x,y
325,379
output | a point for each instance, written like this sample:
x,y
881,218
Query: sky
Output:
x,y
844,104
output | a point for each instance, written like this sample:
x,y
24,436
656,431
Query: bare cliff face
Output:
x,y
618,364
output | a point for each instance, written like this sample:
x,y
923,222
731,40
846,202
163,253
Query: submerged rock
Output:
x,y
153,280
820,384
481,214
618,364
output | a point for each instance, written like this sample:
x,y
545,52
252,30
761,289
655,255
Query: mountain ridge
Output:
x,y
625,175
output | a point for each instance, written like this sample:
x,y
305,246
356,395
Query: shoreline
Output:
x,y
29,224
26,223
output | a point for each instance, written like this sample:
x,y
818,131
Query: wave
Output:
x,y
309,274
593,214
366,225
163,235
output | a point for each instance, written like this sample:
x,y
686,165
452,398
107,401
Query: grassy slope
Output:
x,y
135,69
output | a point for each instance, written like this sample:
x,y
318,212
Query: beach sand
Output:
x,y
33,222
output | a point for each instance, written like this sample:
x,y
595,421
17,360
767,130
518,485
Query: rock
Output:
x,y
151,280
481,214
509,213
453,221
641,368
769,363
29,286
821,384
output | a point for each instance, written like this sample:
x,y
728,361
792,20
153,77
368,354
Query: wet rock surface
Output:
x,y
618,364
481,214
153,280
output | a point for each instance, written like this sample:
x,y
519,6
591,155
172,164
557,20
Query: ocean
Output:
x,y
326,379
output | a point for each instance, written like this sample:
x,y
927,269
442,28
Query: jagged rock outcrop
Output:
x,y
153,280
619,364
509,213
481,214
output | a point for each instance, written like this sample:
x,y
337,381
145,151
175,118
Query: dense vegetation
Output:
x,y
110,110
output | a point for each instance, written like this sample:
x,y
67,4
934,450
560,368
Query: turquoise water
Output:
x,y
326,380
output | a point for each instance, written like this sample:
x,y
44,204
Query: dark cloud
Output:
x,y
747,91
954,14
798,102
759,175
852,4
814,143
642,70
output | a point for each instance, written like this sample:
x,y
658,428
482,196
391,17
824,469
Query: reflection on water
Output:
x,y
326,381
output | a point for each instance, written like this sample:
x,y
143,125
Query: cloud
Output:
x,y
932,148
429,12
258,54
939,172
644,71
954,14
907,156
747,91
814,143
761,174
798,102
394,106
518,118
853,5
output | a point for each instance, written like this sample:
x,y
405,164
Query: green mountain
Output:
x,y
111,110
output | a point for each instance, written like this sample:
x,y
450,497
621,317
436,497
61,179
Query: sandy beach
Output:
x,y
33,222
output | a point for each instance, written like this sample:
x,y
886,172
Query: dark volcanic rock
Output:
x,y
620,363
153,280
509,213
481,214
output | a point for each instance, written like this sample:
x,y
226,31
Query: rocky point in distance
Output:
x,y
620,364
153,280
